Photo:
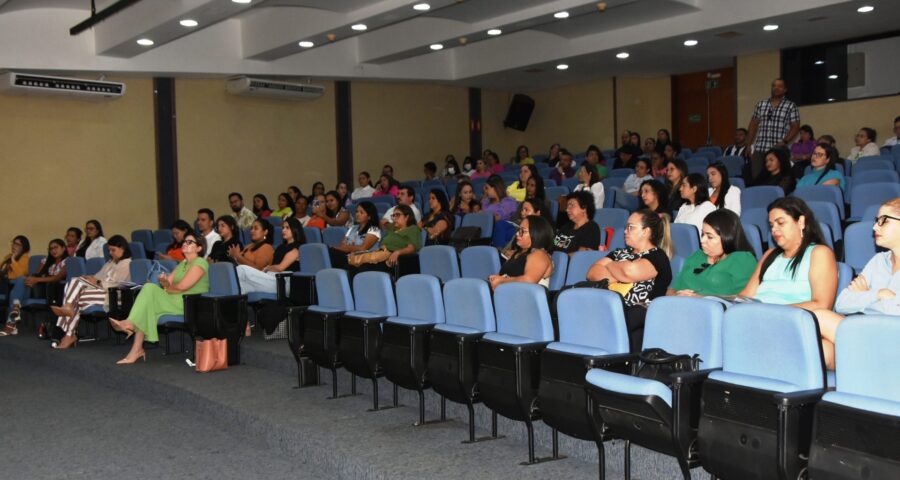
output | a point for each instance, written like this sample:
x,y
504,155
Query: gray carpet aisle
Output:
x,y
253,421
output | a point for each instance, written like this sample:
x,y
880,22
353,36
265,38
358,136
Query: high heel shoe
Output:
x,y
126,361
117,326
68,341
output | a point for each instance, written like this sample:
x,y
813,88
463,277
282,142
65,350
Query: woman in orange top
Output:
x,y
259,253
173,252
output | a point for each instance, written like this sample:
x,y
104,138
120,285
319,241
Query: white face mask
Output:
x,y
451,170
467,166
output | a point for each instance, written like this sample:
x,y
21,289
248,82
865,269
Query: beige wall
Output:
x,y
644,105
249,144
66,161
407,125
754,82
843,119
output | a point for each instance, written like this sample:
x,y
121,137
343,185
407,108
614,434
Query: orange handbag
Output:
x,y
211,355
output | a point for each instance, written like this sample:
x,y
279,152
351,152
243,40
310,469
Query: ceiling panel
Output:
x,y
472,11
615,17
342,6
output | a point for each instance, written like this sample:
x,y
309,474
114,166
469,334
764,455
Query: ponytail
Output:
x,y
660,233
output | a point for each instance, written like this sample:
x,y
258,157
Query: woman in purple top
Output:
x,y
802,150
495,200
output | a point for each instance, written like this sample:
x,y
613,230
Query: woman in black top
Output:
x,y
580,232
676,173
228,230
286,259
777,171
439,223
530,263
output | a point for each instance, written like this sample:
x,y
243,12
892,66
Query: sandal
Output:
x,y
9,330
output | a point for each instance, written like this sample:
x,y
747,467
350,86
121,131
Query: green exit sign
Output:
x,y
693,118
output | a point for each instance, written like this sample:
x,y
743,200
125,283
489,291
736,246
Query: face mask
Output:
x,y
451,170
467,166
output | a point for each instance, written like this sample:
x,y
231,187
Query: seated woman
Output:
x,y
516,189
865,145
386,186
522,156
362,237
229,233
333,211
73,240
53,270
777,171
438,224
589,181
675,175
641,174
655,197
14,268
482,170
317,219
92,246
259,253
823,171
173,252
802,149
799,270
640,271
284,206
495,200
365,188
658,164
875,290
464,201
534,188
530,262
580,232
723,264
285,259
531,206
88,290
594,157
696,205
189,278
318,188
261,206
301,206
404,237
294,192
722,193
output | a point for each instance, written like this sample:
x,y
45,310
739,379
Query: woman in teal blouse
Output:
x,y
823,170
723,264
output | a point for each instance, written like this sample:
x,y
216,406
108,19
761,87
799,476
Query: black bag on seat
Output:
x,y
464,237
658,364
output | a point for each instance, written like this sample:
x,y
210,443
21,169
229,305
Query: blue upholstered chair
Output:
x,y
871,194
579,264
320,321
760,197
440,261
611,217
482,220
479,261
751,231
332,236
685,239
859,245
560,269
822,193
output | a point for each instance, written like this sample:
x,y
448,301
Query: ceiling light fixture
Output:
x,y
241,1
422,7
306,44
145,42
359,27
770,28
690,43
830,99
833,77
494,32
622,55
562,14
436,46
187,22
820,62
562,66
865,9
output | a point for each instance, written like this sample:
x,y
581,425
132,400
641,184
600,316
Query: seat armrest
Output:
x,y
531,347
803,397
615,360
281,279
684,378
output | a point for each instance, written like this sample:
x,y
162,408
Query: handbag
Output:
x,y
463,237
377,256
211,354
658,364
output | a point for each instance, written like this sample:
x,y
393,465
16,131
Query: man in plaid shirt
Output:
x,y
775,122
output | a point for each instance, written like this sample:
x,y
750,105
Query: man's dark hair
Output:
x,y
236,194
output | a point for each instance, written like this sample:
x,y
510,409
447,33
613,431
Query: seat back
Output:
x,y
314,257
571,183
828,214
867,349
138,250
697,164
553,193
734,164
139,269
75,267
760,351
483,220
168,265
373,292
383,199
751,231
822,193
845,275
685,325
332,236
92,266
144,237
521,309
875,162
622,173
715,150
313,234
618,239
560,269
162,236
479,261
872,194
440,261
34,263
685,239
859,245
758,217
592,317
579,264
333,289
611,217
737,182
874,176
419,297
223,279
760,197
467,303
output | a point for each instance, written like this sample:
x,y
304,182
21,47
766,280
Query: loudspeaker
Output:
x,y
519,112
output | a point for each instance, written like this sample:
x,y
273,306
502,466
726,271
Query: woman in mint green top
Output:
x,y
154,301
799,270
823,170
723,264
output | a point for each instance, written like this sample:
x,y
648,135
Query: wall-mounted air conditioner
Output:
x,y
273,88
31,84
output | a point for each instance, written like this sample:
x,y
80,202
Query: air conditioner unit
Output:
x,y
273,88
30,84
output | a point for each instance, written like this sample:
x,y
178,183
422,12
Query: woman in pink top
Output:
x,y
494,163
481,170
386,186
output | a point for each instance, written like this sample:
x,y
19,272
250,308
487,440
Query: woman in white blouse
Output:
x,y
641,174
722,193
589,180
865,144
365,189
696,205
92,246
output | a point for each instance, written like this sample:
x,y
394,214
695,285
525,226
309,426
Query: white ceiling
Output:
x,y
261,38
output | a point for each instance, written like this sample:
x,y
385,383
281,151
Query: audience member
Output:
x,y
73,240
451,169
430,171
589,181
294,192
403,237
259,253
777,172
464,201
865,145
522,156
828,140
534,188
580,232
333,212
663,138
553,154
655,197
823,171
482,169
230,237
318,188
301,210
493,163
530,262
695,193
517,189
317,220
387,169
243,215
468,167
92,246
775,123
626,155
205,224
261,206
594,157
285,259
641,174
675,175
658,165
648,147
672,151
53,270
739,147
438,224
364,236
13,271
890,142
407,196
495,201
386,186
563,169
365,188
343,191
180,229
722,193
802,150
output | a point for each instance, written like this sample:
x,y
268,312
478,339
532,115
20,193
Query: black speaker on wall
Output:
x,y
519,112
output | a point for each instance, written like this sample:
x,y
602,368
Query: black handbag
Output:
x,y
658,364
121,300
463,237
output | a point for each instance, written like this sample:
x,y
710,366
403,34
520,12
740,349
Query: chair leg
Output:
x,y
396,395
471,422
443,409
530,428
627,459
493,423
353,384
601,458
555,435
421,409
374,394
685,470
334,383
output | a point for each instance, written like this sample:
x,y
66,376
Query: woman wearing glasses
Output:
x,y
404,237
723,264
530,262
189,277
875,290
823,170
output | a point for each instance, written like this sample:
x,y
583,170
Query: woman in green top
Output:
x,y
154,301
405,237
723,264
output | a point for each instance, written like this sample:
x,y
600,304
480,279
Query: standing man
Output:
x,y
775,122
205,221
243,215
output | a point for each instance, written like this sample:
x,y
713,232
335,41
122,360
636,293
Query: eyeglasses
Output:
x,y
819,154
882,219
522,232
190,242
701,268
633,226
396,215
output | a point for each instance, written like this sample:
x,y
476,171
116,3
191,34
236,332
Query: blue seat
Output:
x,y
219,313
482,220
622,173
611,217
245,236
510,357
656,415
383,199
676,263
579,264
859,245
751,231
320,321
737,182
92,266
822,193
734,164
845,275
404,354
138,250
612,182
872,194
139,269
440,261
855,426
685,239
697,164
875,176
571,183
754,397
827,214
552,193
452,363
313,258
162,238
144,237
618,239
609,197
760,197
333,236
875,162
758,217
479,261
560,270
313,235
625,200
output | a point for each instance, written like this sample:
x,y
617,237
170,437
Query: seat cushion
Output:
x,y
628,385
456,329
862,402
364,315
575,349
752,381
167,319
411,322
93,309
509,339
320,309
254,297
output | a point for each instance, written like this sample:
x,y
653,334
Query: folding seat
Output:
x,y
137,250
360,329
656,415
876,162
874,176
313,234
856,426
333,236
571,183
276,237
382,208
611,217
404,353
428,185
539,158
451,189
871,194
168,265
737,182
320,335
144,237
93,265
845,275
592,334
510,176
612,182
480,261
509,359
859,245
622,173
416,185
479,183
760,197
274,221
245,236
482,220
757,411
579,264
677,263
609,195
383,199
161,239
698,164
827,214
440,261
753,236
714,150
822,193
734,164
553,193
42,296
625,200
758,217
453,363
685,239
560,270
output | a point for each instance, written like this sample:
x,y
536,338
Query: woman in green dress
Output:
x,y
154,301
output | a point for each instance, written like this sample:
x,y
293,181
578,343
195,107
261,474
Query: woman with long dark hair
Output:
x,y
655,197
14,270
676,172
261,206
777,171
53,269
365,188
530,262
230,237
589,181
438,224
259,253
696,206
364,236
823,161
722,193
464,201
285,259
285,203
496,201
92,246
180,229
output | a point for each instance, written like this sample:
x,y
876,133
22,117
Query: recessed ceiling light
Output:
x,y
865,9
187,22
562,14
562,66
622,55
494,31
770,28
690,43
145,42
422,7
436,46
830,99
359,27
241,1
820,62
833,77
306,44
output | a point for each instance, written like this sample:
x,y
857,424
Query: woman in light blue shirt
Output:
x,y
823,170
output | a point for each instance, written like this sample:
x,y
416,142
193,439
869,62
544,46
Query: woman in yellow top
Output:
x,y
523,157
15,264
517,189
284,206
